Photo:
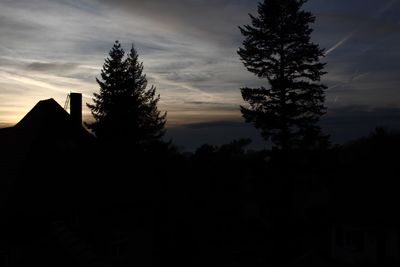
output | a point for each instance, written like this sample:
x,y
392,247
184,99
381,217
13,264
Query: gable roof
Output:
x,y
46,127
45,114
46,120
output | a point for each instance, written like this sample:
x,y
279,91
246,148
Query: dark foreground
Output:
x,y
83,205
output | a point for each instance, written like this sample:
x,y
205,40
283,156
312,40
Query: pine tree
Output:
x,y
148,123
278,48
106,106
125,112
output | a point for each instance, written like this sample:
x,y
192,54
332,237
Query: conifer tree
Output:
x,y
105,107
125,112
148,123
278,48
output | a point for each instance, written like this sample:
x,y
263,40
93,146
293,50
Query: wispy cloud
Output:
x,y
52,67
51,47
385,8
377,15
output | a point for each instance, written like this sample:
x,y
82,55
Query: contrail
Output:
x,y
336,100
385,8
185,86
353,78
340,43
378,14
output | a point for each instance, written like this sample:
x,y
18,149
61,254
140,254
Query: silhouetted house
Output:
x,y
43,181
46,140
55,196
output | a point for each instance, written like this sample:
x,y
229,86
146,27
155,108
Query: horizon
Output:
x,y
50,48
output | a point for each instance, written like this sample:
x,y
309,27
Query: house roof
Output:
x,y
45,114
46,127
46,120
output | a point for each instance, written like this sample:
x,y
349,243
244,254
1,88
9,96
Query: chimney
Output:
x,y
76,108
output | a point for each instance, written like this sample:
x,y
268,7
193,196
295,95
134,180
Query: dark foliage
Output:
x,y
278,48
125,112
222,206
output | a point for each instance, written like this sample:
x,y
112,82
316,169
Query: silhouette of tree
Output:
x,y
277,47
149,123
105,108
205,151
236,147
125,111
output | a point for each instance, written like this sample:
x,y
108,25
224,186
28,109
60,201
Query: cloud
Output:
x,y
53,67
366,25
190,77
215,20
9,25
50,47
5,125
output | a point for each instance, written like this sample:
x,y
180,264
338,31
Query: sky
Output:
x,y
49,48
